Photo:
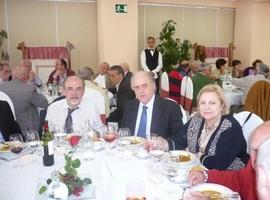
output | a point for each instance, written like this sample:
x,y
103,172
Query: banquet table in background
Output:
x,y
110,174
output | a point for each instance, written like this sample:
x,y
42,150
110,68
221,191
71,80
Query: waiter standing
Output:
x,y
151,60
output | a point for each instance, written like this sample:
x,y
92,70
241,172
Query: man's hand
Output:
x,y
196,177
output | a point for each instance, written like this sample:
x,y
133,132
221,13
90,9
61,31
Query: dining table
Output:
x,y
113,172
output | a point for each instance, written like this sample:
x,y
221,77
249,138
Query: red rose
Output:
x,y
74,140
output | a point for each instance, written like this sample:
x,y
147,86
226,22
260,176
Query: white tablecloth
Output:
x,y
233,97
110,174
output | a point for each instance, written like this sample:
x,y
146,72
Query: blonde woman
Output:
x,y
213,135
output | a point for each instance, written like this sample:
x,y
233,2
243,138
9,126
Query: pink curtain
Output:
x,y
215,52
45,53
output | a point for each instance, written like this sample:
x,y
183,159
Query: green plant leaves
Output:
x,y
87,181
42,189
76,163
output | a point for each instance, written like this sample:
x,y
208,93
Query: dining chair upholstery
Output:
x,y
186,94
248,121
5,97
164,85
258,100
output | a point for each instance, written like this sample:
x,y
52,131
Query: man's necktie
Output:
x,y
143,122
68,122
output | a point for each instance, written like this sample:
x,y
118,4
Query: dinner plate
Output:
x,y
189,160
130,142
212,187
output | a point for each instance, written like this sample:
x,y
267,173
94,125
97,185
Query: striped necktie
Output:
x,y
68,122
143,123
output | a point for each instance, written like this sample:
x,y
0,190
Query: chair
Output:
x,y
258,100
248,121
164,85
184,113
186,94
5,97
95,97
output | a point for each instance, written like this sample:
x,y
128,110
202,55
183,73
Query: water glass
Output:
x,y
124,132
156,176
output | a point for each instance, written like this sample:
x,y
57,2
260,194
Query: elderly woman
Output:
x,y
215,137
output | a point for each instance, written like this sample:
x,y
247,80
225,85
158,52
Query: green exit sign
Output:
x,y
121,8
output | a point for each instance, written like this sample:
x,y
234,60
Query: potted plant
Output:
x,y
172,50
3,36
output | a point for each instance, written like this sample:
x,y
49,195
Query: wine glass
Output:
x,y
16,145
124,132
156,176
156,147
32,139
109,135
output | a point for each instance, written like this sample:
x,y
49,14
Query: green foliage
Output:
x,y
172,50
3,36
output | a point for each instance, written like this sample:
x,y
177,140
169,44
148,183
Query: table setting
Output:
x,y
117,167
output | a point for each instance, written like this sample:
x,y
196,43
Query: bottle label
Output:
x,y
50,147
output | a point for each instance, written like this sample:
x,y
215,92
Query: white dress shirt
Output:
x,y
1,137
149,112
57,113
101,80
145,67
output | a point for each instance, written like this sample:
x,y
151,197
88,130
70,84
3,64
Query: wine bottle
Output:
x,y
47,138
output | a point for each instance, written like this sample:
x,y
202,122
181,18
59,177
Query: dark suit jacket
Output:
x,y
166,119
123,95
8,125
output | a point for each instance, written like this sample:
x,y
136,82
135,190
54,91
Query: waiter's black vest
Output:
x,y
151,61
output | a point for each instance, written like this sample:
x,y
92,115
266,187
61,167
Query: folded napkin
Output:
x,y
8,156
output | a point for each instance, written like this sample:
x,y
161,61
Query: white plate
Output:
x,y
130,142
211,186
194,160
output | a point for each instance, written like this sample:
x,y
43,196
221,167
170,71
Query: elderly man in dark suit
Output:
x,y
25,98
122,91
150,113
8,125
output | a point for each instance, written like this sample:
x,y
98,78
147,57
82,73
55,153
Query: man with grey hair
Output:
x,y
149,113
25,98
5,72
102,78
262,71
73,110
32,77
263,171
87,74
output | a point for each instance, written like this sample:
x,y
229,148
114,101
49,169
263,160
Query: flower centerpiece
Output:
x,y
74,184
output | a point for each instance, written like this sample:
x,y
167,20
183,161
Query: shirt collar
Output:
x,y
66,107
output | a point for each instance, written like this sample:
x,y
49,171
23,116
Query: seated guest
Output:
x,y
25,98
242,181
73,110
237,71
60,73
87,74
5,72
102,79
8,125
252,70
150,113
121,90
215,137
221,65
127,72
263,170
262,71
194,68
175,79
200,79
32,77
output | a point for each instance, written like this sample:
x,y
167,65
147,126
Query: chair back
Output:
x,y
184,113
258,100
164,85
5,97
248,121
186,94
